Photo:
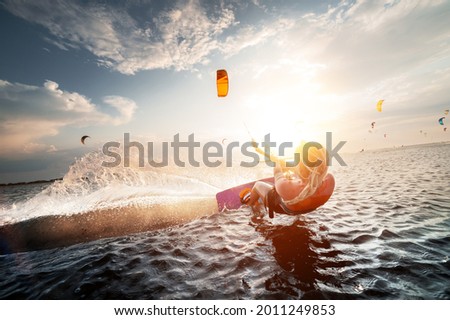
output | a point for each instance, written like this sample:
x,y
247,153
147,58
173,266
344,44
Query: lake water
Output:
x,y
384,234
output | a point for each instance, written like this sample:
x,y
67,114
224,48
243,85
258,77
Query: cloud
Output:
x,y
28,113
33,147
170,38
371,49
381,37
253,35
364,42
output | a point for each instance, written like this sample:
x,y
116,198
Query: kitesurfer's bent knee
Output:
x,y
289,187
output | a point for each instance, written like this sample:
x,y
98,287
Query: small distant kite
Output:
x,y
222,83
380,105
84,138
441,121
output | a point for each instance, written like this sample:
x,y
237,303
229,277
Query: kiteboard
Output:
x,y
229,198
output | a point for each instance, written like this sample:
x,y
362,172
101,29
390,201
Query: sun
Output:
x,y
287,118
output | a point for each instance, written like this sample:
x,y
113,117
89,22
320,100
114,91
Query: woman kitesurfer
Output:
x,y
297,188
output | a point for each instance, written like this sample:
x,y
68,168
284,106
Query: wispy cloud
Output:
x,y
178,37
253,35
364,42
29,113
395,50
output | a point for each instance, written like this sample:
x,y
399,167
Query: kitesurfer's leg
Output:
x,y
259,191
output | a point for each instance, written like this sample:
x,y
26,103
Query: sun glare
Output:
x,y
293,114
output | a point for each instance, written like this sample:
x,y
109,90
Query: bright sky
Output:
x,y
297,69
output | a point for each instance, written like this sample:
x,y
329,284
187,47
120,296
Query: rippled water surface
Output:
x,y
384,234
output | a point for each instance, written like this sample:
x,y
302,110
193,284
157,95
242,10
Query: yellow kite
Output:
x,y
379,105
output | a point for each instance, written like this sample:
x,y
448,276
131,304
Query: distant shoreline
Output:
x,y
29,182
426,144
